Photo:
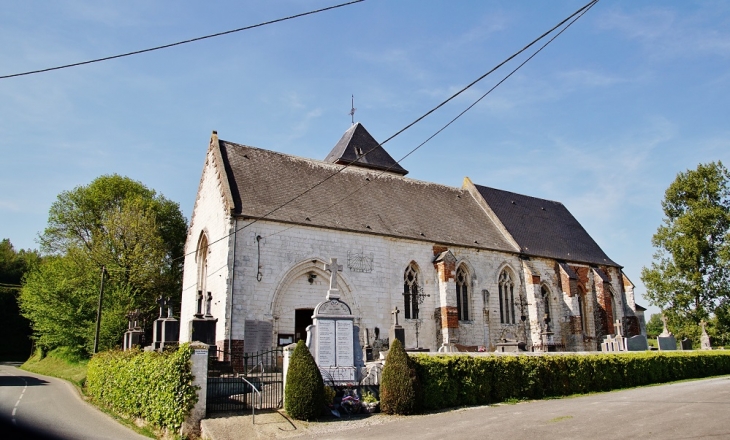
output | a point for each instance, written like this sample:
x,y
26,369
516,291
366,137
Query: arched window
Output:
x,y
546,302
582,309
411,289
462,293
614,305
506,298
201,257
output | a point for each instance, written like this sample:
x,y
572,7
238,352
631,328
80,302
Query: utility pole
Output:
x,y
98,311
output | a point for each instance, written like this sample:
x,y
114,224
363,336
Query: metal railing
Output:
x,y
237,380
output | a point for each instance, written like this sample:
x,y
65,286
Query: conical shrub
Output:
x,y
399,386
304,392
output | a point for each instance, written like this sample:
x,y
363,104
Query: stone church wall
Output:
x,y
278,269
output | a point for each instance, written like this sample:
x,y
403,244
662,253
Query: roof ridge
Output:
x,y
519,194
349,168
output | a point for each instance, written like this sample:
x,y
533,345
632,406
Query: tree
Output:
x,y
304,391
690,275
399,387
655,326
120,225
13,266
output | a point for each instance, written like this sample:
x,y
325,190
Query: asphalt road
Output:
x,y
35,405
687,410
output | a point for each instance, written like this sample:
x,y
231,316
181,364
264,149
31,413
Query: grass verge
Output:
x,y
61,363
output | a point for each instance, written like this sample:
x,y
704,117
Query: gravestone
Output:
x,y
615,343
637,343
367,350
331,337
704,338
166,330
685,344
666,340
135,334
396,330
202,326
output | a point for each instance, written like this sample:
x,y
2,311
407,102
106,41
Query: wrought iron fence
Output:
x,y
241,381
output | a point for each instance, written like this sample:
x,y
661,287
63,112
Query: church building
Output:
x,y
469,269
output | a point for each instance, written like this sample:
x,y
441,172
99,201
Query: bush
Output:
x,y
399,386
457,380
304,391
157,387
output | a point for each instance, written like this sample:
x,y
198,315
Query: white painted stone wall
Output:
x,y
286,254
210,217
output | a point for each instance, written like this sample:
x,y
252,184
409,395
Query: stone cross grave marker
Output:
x,y
704,338
666,340
396,330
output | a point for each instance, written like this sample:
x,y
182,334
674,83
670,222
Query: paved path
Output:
x,y
687,410
52,407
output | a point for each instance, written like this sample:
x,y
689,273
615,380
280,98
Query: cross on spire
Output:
x,y
352,110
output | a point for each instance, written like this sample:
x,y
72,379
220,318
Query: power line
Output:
x,y
165,46
571,16
367,182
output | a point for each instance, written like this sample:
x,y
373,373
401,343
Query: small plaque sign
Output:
x,y
200,352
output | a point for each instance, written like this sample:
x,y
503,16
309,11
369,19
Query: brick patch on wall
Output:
x,y
449,317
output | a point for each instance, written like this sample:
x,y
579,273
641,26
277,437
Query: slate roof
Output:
x,y
358,147
391,205
543,227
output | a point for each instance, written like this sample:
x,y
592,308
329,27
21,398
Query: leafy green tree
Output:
x,y
116,223
13,266
655,326
690,275
304,391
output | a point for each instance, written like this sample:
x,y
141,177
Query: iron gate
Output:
x,y
241,382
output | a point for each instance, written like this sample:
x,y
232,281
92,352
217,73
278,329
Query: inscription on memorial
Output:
x,y
345,355
259,335
334,307
326,343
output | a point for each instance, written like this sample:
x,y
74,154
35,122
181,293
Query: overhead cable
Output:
x,y
579,12
191,40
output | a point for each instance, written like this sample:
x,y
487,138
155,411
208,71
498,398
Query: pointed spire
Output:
x,y
359,148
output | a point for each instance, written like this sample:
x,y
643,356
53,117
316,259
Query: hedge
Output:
x,y
157,387
399,386
304,399
456,380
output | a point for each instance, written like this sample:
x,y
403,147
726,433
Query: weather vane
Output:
x,y
352,110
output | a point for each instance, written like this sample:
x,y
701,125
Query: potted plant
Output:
x,y
370,403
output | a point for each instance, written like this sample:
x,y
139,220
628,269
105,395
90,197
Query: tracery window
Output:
x,y
411,289
506,298
462,293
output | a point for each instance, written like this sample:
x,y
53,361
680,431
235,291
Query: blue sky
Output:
x,y
602,120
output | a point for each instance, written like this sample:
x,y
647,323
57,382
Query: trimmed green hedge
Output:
x,y
304,391
399,386
157,387
456,380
